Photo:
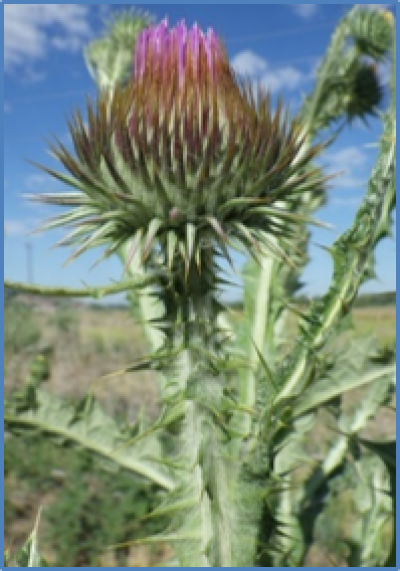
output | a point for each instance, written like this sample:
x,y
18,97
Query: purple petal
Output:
x,y
141,54
158,36
166,45
209,53
181,37
194,38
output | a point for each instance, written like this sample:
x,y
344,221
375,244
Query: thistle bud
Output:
x,y
365,93
373,32
185,154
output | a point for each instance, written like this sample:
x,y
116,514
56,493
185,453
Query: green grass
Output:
x,y
85,507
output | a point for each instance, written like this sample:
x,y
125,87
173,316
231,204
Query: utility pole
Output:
x,y
29,262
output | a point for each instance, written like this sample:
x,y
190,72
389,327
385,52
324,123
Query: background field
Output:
x,y
86,506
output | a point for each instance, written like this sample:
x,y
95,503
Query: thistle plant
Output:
x,y
175,166
186,158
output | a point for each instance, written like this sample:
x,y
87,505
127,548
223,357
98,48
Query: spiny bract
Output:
x,y
186,155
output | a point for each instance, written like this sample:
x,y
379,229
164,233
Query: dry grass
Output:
x,y
380,321
88,345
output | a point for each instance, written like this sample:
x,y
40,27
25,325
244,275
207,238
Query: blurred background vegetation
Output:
x,y
86,505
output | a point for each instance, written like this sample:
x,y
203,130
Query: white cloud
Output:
x,y
346,181
287,77
385,72
346,159
348,163
23,227
374,6
305,11
248,63
36,180
15,228
32,30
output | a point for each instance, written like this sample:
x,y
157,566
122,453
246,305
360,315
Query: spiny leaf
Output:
x,y
326,389
190,240
134,247
172,240
94,430
216,226
387,452
153,228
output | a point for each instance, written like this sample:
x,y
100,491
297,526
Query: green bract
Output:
x,y
184,154
109,58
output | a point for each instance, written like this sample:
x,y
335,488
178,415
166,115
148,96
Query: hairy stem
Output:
x,y
201,522
201,435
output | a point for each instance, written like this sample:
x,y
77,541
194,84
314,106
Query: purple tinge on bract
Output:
x,y
159,47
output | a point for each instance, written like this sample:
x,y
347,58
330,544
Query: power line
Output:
x,y
29,262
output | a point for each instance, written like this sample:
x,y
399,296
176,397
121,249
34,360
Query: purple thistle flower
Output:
x,y
185,150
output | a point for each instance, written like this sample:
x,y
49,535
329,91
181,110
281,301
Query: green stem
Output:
x,y
96,292
247,389
200,504
149,308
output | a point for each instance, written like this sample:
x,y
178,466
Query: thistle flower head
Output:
x,y
185,155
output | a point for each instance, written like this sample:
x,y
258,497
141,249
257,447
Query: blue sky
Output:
x,y
46,80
